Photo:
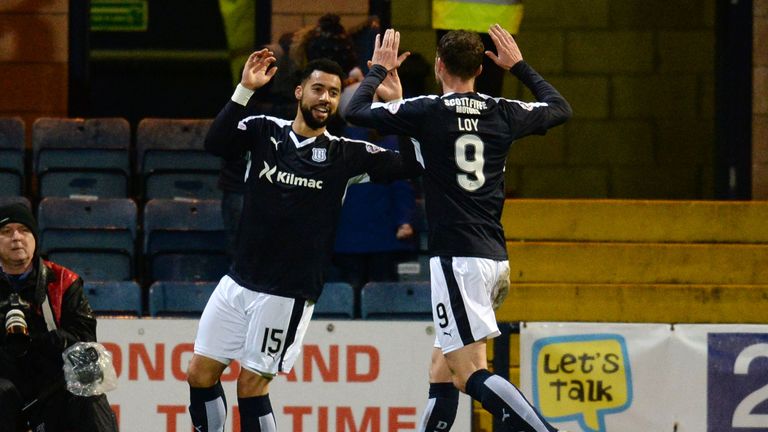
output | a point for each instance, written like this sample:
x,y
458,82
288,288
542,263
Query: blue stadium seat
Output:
x,y
95,238
114,297
336,301
11,156
78,157
176,298
416,270
396,301
172,162
184,240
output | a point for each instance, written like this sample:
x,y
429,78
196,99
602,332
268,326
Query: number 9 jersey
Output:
x,y
462,141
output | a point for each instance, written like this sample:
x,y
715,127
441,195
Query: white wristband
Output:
x,y
242,95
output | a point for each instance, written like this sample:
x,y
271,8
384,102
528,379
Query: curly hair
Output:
x,y
462,52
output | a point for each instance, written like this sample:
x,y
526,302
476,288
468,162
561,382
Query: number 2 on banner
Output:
x,y
742,415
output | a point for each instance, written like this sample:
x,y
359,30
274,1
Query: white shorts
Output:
x,y
463,290
263,332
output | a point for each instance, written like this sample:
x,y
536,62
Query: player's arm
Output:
x,y
555,109
227,136
382,80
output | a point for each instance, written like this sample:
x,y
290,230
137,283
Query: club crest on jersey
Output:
x,y
373,148
319,154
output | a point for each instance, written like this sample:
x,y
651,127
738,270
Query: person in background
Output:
x,y
462,139
43,312
376,227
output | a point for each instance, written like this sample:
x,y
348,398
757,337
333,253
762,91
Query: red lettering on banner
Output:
x,y
117,356
290,376
171,412
398,419
297,413
235,418
394,418
370,423
232,372
373,363
330,372
116,410
176,354
322,419
138,351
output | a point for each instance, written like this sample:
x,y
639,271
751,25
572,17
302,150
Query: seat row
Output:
x,y
99,238
96,157
379,300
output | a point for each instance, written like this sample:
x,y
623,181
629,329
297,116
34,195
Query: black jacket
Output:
x,y
41,366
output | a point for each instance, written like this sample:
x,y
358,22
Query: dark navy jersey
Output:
x,y
294,191
462,140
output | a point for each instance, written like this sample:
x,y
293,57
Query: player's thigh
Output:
x,y
462,304
439,372
224,323
276,330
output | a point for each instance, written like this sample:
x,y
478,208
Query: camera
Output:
x,y
16,329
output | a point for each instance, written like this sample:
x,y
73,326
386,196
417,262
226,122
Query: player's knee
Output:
x,y
250,384
198,375
459,382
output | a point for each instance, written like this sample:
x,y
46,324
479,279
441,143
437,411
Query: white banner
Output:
x,y
361,376
593,377
725,372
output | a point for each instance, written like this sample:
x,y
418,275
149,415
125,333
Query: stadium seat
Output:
x,y
95,238
416,270
11,156
336,301
184,240
114,297
176,298
172,162
78,157
396,301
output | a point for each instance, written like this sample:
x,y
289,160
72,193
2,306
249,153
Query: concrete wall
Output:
x,y
34,52
639,75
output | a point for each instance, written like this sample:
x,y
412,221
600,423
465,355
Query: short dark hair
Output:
x,y
322,65
462,52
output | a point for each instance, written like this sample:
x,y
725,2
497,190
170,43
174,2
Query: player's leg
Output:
x,y
463,293
219,339
443,401
256,414
272,344
497,395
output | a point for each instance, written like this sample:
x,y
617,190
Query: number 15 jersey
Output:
x,y
462,141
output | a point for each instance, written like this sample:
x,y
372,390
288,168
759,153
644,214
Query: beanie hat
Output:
x,y
18,213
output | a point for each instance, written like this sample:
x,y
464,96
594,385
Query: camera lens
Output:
x,y
15,323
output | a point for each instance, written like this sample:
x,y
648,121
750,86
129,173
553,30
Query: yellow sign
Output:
x,y
582,378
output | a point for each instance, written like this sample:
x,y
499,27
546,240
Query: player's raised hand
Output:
x,y
390,89
385,50
257,72
508,52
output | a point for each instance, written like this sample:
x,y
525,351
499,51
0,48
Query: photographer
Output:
x,y
42,311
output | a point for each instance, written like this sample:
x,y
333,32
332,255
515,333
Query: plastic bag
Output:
x,y
88,369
